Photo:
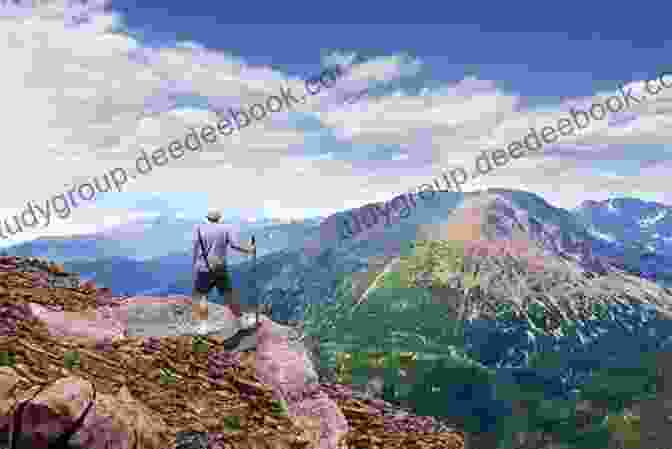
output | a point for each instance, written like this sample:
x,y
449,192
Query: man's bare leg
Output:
x,y
199,306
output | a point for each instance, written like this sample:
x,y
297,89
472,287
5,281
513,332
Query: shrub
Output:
x,y
7,358
71,359
232,423
199,344
280,408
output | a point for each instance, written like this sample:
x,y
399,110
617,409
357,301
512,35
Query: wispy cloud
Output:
x,y
83,96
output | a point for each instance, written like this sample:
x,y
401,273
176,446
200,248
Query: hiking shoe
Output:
x,y
202,328
247,321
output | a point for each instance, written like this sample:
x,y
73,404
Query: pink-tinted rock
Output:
x,y
40,279
333,425
96,420
284,369
121,422
104,297
51,411
88,285
378,403
96,325
104,292
278,364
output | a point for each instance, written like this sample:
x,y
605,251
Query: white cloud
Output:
x,y
451,126
74,95
84,220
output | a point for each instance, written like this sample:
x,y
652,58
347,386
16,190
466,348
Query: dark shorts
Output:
x,y
206,280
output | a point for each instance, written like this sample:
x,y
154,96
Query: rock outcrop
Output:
x,y
45,273
70,365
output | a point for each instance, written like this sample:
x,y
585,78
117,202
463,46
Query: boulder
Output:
x,y
90,327
70,411
322,419
43,415
280,363
8,260
288,369
7,267
123,422
88,285
104,292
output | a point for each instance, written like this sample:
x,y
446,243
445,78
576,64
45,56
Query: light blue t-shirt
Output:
x,y
214,236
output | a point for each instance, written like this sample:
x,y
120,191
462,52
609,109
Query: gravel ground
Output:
x,y
171,319
158,319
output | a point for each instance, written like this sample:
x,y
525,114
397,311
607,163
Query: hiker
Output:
x,y
211,241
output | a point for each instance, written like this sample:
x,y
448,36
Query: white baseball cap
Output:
x,y
214,215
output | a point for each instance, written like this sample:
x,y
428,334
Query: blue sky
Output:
x,y
126,76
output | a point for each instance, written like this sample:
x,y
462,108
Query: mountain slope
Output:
x,y
287,273
549,332
634,234
298,278
492,225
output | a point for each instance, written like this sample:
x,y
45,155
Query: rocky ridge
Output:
x,y
133,391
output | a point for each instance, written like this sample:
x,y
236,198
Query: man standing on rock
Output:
x,y
211,241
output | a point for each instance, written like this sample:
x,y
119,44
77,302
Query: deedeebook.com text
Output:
x,y
192,141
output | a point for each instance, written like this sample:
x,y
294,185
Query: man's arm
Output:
x,y
247,249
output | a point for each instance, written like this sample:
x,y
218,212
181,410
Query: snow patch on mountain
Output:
x,y
648,221
602,236
611,207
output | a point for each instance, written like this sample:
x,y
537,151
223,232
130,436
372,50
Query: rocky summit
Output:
x,y
73,375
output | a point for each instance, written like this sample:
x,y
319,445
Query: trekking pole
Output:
x,y
254,266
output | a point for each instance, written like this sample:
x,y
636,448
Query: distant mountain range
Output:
x,y
150,238
632,233
153,256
